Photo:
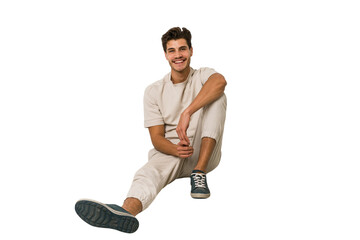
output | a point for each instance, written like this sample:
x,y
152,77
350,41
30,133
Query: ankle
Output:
x,y
132,205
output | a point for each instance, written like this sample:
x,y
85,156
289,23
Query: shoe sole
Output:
x,y
200,195
99,215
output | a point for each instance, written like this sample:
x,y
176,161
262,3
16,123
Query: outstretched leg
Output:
x,y
159,171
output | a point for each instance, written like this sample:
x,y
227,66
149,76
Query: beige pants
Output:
x,y
162,169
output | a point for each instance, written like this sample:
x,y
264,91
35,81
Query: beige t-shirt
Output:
x,y
165,101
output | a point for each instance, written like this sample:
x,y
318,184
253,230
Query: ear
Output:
x,y
166,56
191,52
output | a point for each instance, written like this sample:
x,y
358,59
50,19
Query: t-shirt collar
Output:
x,y
187,79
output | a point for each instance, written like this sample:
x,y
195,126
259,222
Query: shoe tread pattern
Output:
x,y
99,216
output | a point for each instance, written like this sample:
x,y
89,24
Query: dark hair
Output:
x,y
174,34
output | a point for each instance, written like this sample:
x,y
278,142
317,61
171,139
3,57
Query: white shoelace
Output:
x,y
199,180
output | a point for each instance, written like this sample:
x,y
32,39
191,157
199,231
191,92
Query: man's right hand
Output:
x,y
184,151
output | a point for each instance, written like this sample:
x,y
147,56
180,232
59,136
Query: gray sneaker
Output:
x,y
106,216
199,188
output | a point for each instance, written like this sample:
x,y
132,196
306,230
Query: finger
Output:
x,y
186,155
187,139
183,143
182,152
185,148
185,152
181,132
183,137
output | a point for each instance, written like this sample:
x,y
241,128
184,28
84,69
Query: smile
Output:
x,y
179,61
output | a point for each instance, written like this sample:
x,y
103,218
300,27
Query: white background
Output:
x,y
73,75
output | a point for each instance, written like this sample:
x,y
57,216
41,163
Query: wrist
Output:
x,y
174,151
188,111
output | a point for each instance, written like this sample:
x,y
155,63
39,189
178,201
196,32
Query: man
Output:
x,y
185,115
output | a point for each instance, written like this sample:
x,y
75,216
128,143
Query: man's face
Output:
x,y
178,54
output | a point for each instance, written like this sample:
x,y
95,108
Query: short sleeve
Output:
x,y
152,113
205,73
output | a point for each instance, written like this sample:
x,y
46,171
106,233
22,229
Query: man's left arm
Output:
x,y
213,89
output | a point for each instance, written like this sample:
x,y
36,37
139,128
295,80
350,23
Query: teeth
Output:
x,y
179,61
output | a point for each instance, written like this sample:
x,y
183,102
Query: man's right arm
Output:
x,y
157,135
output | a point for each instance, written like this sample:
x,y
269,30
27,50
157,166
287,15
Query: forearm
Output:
x,y
165,146
212,90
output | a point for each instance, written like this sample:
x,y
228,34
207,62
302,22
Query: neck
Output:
x,y
179,77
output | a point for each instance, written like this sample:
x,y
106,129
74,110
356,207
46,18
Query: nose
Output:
x,y
178,54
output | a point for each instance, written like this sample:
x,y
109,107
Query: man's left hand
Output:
x,y
182,128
